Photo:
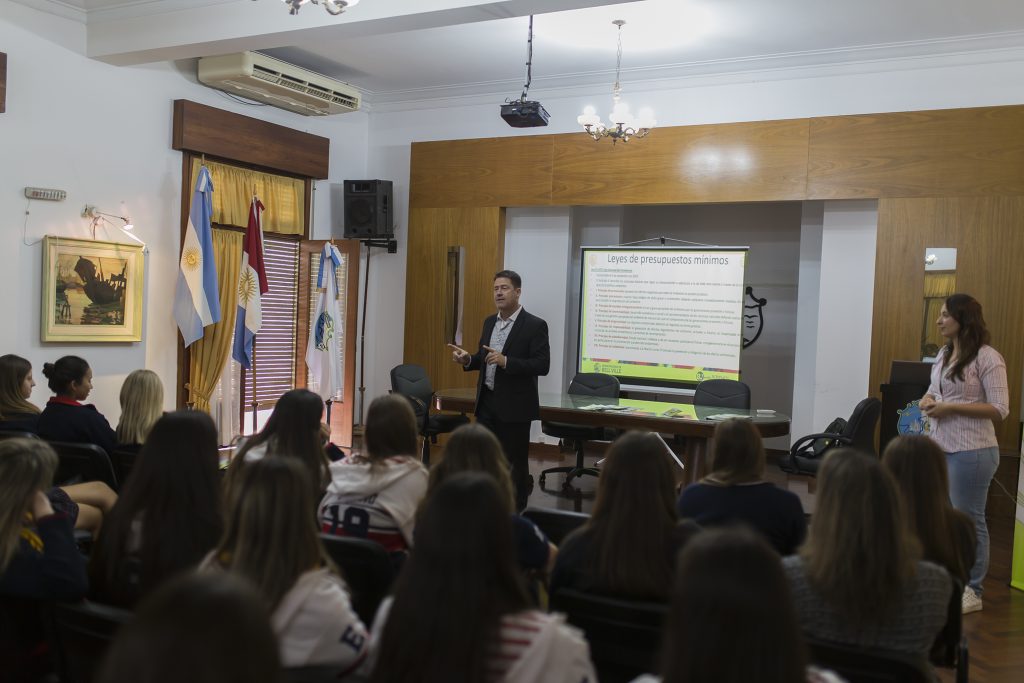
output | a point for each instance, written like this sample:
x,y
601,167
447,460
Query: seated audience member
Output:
x,y
474,448
463,574
17,413
270,538
168,516
38,557
142,404
293,430
84,504
858,580
732,619
735,491
375,494
947,535
200,628
627,548
65,418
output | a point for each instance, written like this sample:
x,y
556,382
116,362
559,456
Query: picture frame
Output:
x,y
92,291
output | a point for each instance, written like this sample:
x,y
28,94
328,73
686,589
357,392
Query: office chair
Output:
x,y
556,524
722,393
624,635
82,632
367,569
411,381
950,649
583,384
806,454
5,434
79,462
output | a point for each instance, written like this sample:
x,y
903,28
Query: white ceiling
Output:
x,y
397,50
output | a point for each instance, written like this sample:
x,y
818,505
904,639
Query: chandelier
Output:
x,y
623,125
333,7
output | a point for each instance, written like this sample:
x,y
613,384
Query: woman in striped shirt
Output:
x,y
967,396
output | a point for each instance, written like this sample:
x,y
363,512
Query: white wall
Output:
x,y
537,244
103,134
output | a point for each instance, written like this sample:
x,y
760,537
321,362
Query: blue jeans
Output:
x,y
970,473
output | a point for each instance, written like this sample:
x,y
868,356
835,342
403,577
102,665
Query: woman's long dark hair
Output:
x,y
63,372
293,430
460,580
270,536
973,334
13,371
174,494
634,520
732,618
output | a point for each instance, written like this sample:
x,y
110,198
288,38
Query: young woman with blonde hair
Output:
x,y
39,560
142,404
270,538
735,491
375,494
85,504
858,579
474,448
628,546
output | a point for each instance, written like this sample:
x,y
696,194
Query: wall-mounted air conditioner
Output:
x,y
259,77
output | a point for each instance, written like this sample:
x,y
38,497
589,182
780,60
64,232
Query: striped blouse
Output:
x,y
984,382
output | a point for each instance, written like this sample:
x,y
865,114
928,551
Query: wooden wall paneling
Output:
x,y
512,171
3,82
431,231
950,152
207,130
734,162
985,231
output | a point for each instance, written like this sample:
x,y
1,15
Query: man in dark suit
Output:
x,y
513,352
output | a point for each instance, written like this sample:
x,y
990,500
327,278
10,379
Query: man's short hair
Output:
x,y
512,275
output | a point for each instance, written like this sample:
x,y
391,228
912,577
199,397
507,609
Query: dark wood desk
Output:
x,y
691,421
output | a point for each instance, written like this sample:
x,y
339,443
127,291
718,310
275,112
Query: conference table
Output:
x,y
695,424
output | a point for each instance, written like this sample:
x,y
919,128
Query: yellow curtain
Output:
x,y
283,197
940,284
209,354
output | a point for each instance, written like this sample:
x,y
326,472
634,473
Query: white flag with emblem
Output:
x,y
323,354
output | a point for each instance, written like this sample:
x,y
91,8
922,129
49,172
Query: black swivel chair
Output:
x,y
366,568
556,524
806,454
411,381
82,632
583,384
950,649
624,635
80,462
722,393
5,434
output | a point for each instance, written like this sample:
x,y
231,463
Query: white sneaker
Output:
x,y
971,602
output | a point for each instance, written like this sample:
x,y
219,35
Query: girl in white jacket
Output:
x,y
271,539
461,612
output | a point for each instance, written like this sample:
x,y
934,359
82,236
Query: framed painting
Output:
x,y
92,291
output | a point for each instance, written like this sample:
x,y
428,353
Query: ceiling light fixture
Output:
x,y
333,7
623,125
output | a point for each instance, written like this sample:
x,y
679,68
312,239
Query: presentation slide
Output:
x,y
662,315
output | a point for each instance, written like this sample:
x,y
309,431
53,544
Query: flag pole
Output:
x,y
362,339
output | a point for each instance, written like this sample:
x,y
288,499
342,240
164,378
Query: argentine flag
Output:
x,y
323,354
252,284
196,298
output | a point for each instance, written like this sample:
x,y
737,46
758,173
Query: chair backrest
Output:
x,y
594,384
366,568
556,524
83,632
949,649
860,428
863,665
624,635
5,434
411,380
80,462
722,393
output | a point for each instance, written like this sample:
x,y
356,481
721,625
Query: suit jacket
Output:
x,y
529,356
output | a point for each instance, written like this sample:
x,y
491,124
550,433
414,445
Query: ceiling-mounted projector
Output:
x,y
524,114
